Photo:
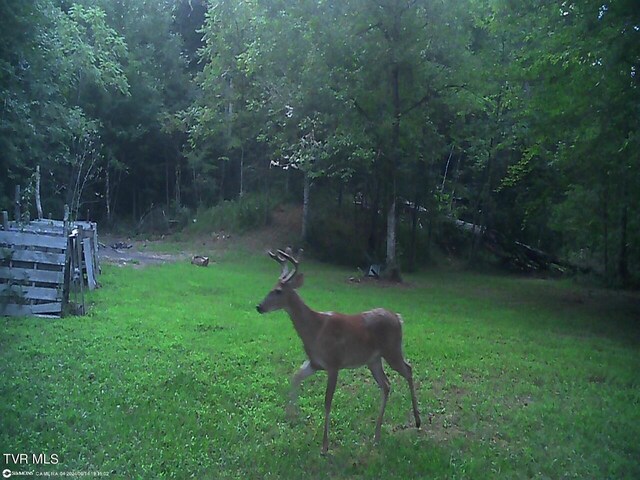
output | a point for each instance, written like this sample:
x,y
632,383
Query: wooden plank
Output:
x,y
33,240
38,230
44,221
96,247
31,275
77,253
29,293
35,256
38,224
16,310
88,262
85,225
36,227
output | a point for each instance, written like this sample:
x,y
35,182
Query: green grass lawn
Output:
x,y
173,374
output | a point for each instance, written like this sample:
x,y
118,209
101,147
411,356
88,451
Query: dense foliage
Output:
x,y
390,118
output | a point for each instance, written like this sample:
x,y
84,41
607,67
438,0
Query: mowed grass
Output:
x,y
173,374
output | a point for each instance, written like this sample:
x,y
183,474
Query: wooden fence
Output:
x,y
45,265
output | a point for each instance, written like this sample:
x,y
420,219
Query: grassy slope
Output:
x,y
174,374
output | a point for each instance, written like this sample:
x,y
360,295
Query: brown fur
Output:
x,y
334,341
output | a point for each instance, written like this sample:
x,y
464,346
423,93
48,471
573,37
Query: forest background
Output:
x,y
403,127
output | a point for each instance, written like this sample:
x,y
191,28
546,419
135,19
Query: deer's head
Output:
x,y
289,280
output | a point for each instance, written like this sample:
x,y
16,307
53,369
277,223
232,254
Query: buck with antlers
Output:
x,y
333,341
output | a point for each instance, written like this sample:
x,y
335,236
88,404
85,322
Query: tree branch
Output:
x,y
424,99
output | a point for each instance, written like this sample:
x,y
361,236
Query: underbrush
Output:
x,y
238,216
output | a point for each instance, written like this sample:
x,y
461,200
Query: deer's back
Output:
x,y
354,340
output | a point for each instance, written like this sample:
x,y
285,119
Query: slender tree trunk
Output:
x,y
391,234
305,207
177,187
223,168
373,235
482,205
17,207
107,195
623,262
414,233
623,258
605,231
133,206
392,270
241,171
38,202
267,196
392,264
166,181
446,169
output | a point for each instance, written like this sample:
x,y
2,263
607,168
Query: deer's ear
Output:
x,y
297,281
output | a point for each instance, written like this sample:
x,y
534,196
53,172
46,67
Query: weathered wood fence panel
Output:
x,y
29,275
46,230
26,239
43,262
32,270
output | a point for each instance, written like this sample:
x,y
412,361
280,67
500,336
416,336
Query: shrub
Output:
x,y
238,216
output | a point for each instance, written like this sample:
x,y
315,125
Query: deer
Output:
x,y
335,341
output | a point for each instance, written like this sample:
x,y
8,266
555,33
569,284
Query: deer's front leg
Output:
x,y
383,382
306,370
332,380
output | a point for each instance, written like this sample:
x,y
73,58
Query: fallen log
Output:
x,y
515,254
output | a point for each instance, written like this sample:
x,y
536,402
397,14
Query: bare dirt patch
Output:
x,y
136,256
283,230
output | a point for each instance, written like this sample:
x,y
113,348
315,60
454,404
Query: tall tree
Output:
x,y
49,55
579,64
406,56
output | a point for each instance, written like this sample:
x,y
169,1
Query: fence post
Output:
x,y
78,254
5,220
66,221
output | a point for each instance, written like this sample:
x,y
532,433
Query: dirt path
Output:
x,y
284,230
135,256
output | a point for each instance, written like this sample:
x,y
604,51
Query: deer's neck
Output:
x,y
305,320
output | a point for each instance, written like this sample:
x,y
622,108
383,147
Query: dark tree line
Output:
x,y
394,121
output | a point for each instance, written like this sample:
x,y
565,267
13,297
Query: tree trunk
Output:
x,y
305,207
605,230
17,205
38,202
391,234
392,264
266,179
241,171
177,187
107,195
134,210
223,172
623,260
414,234
166,181
373,233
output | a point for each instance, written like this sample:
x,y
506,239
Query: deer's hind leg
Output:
x,y
383,382
396,361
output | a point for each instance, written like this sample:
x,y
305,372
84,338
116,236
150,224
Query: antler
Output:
x,y
282,257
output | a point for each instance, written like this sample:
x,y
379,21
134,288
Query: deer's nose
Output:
x,y
259,309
